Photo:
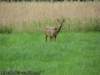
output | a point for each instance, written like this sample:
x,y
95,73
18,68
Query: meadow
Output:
x,y
72,54
22,41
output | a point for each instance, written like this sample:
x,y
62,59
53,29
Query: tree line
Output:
x,y
46,0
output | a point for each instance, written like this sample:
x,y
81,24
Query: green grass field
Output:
x,y
72,54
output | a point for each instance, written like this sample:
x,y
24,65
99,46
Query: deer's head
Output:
x,y
60,23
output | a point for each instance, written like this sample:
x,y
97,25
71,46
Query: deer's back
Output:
x,y
50,30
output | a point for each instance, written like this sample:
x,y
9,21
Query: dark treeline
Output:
x,y
47,0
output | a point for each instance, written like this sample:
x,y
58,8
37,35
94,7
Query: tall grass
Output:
x,y
77,25
34,17
29,11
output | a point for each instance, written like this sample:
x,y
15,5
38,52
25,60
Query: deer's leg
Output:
x,y
50,38
46,37
55,38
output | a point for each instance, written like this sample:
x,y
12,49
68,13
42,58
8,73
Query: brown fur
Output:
x,y
52,31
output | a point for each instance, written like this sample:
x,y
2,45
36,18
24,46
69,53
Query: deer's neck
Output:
x,y
58,30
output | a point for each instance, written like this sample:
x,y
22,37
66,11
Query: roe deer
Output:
x,y
52,31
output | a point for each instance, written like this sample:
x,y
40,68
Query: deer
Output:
x,y
53,31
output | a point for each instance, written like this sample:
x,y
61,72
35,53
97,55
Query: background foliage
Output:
x,y
35,16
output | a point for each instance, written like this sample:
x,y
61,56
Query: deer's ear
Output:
x,y
63,20
58,20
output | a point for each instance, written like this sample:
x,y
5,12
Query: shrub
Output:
x,y
5,29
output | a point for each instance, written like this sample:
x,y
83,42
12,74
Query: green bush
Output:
x,y
5,29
